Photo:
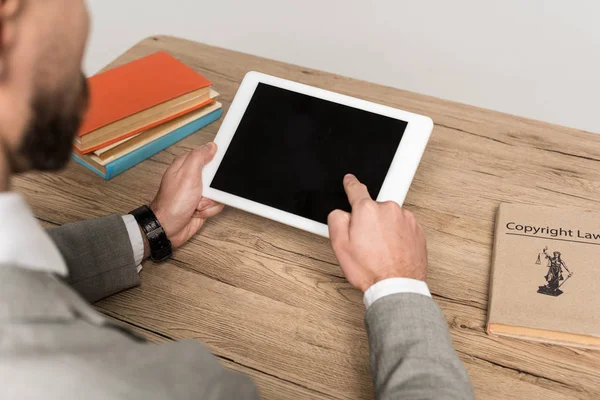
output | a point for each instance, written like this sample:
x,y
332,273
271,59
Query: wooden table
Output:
x,y
270,300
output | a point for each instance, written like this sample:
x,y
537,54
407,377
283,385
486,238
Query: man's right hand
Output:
x,y
376,241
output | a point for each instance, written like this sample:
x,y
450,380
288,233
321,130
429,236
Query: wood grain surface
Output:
x,y
271,301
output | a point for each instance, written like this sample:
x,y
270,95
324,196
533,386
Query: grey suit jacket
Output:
x,y
54,345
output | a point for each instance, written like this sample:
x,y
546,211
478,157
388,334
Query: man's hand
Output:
x,y
179,205
377,241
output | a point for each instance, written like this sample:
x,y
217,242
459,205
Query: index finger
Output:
x,y
355,190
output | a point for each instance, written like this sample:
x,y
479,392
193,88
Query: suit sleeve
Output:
x,y
99,256
411,351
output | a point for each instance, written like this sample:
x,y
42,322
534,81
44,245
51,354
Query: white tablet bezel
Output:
x,y
396,183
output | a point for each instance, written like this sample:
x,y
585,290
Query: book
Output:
x,y
154,84
122,164
102,158
138,123
213,94
144,120
544,284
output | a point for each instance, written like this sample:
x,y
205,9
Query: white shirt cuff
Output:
x,y
137,242
390,286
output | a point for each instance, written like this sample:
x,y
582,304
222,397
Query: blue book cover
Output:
x,y
148,150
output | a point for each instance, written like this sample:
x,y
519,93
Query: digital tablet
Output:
x,y
284,148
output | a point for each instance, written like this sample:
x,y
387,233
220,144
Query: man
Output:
x,y
54,345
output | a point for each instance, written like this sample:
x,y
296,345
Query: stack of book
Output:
x,y
139,109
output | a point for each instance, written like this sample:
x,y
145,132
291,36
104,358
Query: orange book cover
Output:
x,y
126,90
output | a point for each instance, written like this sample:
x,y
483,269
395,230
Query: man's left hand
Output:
x,y
179,205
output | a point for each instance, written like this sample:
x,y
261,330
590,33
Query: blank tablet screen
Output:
x,y
291,152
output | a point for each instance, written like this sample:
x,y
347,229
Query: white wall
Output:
x,y
535,58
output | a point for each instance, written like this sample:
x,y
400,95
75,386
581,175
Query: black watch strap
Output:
x,y
160,246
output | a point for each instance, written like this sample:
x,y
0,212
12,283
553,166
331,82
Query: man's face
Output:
x,y
57,101
55,119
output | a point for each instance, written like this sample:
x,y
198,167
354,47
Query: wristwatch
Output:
x,y
160,245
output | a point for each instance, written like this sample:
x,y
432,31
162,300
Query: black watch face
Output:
x,y
160,246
